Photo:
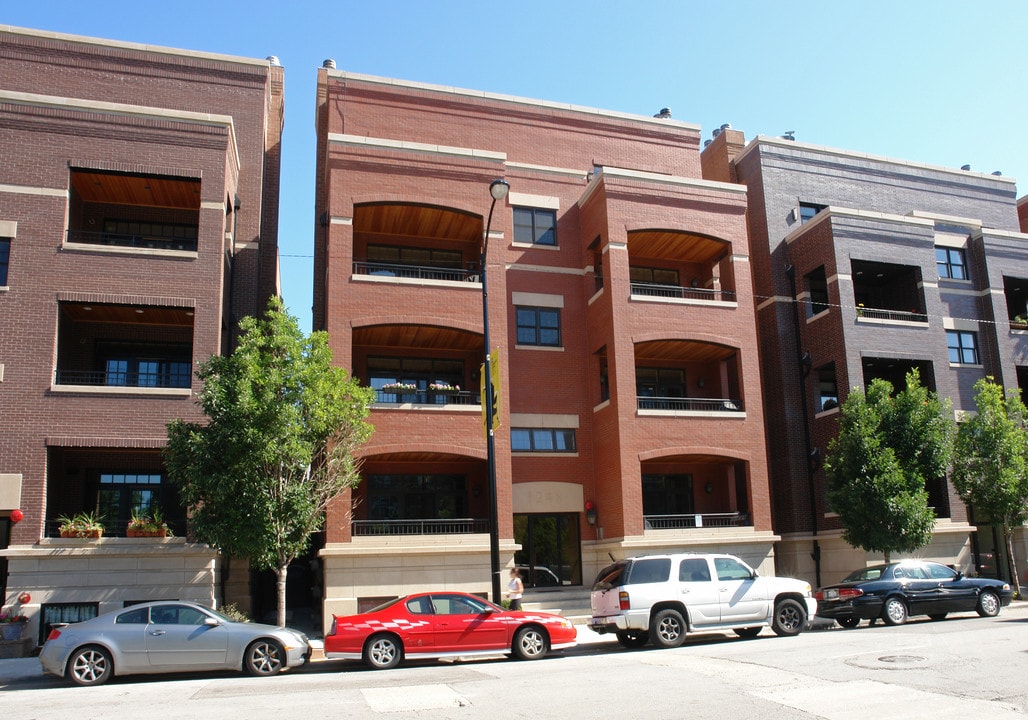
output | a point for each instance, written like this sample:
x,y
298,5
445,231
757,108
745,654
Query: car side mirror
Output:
x,y
211,622
960,575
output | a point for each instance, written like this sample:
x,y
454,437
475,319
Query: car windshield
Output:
x,y
868,573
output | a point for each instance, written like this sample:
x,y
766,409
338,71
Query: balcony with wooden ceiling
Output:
x,y
133,212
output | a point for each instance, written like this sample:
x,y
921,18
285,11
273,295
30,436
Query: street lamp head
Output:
x,y
499,189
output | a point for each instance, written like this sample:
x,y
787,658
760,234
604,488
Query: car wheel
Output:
x,y
937,616
90,666
894,612
848,622
789,617
751,632
530,643
633,638
988,604
668,629
264,657
383,652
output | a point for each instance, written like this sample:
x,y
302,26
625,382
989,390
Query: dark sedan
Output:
x,y
895,591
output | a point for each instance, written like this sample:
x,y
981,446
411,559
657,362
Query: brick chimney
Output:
x,y
718,157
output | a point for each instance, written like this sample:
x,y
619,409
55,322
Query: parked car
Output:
x,y
900,589
444,624
662,598
163,637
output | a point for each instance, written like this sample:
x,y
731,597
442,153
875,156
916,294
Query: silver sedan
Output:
x,y
162,637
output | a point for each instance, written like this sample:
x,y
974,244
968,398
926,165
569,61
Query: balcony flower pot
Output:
x,y
138,533
151,525
81,525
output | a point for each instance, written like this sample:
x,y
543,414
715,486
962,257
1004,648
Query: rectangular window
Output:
x,y
535,226
660,382
817,289
653,276
542,440
828,388
667,494
5,258
125,494
963,347
51,613
417,497
422,380
809,210
951,263
168,236
538,326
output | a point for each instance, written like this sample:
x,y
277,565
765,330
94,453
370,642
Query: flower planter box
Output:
x,y
90,534
137,533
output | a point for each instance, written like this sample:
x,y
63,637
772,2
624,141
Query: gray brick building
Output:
x,y
868,267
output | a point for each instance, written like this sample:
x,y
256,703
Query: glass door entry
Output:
x,y
551,549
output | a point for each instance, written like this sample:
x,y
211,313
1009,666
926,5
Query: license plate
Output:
x,y
831,594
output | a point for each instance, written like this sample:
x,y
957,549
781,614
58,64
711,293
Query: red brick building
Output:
x,y
138,223
620,303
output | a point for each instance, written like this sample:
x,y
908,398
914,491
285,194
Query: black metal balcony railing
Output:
x,y
682,293
417,272
101,378
90,237
449,526
693,404
429,397
883,314
678,522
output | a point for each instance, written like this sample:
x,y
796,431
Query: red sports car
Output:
x,y
444,624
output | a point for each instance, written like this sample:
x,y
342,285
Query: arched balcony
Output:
x,y
677,265
416,242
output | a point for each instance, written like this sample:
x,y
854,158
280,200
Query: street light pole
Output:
x,y
498,189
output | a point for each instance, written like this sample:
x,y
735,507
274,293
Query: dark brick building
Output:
x,y
620,303
868,267
138,223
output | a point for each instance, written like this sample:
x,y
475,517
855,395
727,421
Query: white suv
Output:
x,y
664,597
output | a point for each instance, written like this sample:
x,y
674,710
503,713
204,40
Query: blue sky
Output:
x,y
933,82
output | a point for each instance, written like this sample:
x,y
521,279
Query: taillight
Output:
x,y
847,593
54,634
819,596
623,602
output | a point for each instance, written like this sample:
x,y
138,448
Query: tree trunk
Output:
x,y
887,555
1008,535
280,587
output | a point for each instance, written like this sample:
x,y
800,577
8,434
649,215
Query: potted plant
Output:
x,y
443,388
400,388
81,525
12,624
152,525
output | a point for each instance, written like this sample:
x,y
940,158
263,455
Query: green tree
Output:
x,y
991,467
277,447
888,447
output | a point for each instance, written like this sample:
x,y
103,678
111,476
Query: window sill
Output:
x,y
826,413
819,315
554,454
120,390
544,348
966,365
534,246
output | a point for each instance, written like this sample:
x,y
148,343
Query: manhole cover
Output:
x,y
902,659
